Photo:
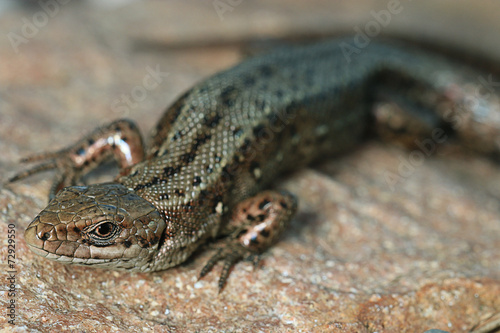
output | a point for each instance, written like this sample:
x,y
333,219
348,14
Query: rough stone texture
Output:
x,y
361,256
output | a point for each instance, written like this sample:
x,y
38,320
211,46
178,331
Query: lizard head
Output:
x,y
104,225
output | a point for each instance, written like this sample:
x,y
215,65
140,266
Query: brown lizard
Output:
x,y
218,148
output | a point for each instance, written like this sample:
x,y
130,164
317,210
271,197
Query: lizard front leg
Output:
x,y
120,139
255,225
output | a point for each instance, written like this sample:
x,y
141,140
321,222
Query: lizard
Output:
x,y
214,154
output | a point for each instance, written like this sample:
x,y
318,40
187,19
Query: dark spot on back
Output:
x,y
237,132
170,171
177,135
260,104
196,181
266,71
257,130
213,121
154,181
201,139
203,89
179,192
188,157
227,95
249,81
245,146
203,195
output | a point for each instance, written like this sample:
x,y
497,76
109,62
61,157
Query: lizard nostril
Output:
x,y
36,238
45,236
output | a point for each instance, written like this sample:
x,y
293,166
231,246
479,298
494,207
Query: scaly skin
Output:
x,y
225,141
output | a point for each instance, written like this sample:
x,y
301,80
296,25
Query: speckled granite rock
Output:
x,y
359,257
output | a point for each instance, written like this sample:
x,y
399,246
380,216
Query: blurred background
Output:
x,y
83,58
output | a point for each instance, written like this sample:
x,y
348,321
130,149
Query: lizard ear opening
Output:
x,y
162,238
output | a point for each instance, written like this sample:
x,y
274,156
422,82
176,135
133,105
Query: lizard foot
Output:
x,y
256,224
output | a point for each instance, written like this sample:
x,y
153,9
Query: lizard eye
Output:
x,y
104,231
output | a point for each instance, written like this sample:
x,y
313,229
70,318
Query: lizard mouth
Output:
x,y
68,260
65,251
33,242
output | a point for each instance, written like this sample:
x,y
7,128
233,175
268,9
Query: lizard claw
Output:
x,y
36,169
60,160
230,253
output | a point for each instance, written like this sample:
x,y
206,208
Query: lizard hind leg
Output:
x,y
255,225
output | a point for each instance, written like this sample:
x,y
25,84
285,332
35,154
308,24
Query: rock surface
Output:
x,y
361,255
